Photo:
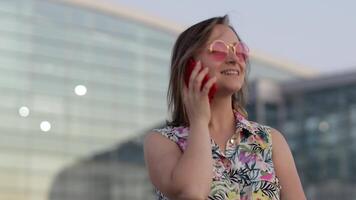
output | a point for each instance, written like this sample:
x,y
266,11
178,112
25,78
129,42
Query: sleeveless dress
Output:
x,y
245,170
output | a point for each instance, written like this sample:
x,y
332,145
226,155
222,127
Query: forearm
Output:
x,y
193,173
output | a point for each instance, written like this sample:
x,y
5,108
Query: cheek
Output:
x,y
243,67
243,73
213,69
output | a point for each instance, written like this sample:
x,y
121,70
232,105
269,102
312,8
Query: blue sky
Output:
x,y
315,33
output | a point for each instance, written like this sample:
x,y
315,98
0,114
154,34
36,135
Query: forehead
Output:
x,y
223,32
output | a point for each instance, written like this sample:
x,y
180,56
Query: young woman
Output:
x,y
209,150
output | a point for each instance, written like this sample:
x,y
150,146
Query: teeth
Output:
x,y
230,72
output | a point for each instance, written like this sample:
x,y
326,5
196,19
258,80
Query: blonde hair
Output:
x,y
187,45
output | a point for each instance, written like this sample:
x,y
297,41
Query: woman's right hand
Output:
x,y
195,99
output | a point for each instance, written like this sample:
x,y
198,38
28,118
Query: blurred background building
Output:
x,y
82,81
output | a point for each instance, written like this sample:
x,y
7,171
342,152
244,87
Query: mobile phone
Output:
x,y
188,71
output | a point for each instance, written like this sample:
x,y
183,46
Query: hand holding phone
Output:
x,y
189,68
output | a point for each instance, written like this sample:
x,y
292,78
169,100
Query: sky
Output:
x,y
319,34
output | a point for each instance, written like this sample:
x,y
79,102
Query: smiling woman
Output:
x,y
209,149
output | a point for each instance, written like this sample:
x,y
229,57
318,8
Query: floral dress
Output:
x,y
245,170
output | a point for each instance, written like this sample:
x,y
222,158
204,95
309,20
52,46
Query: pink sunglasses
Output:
x,y
220,50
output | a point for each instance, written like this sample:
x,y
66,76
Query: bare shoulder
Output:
x,y
154,139
157,145
280,148
285,167
278,140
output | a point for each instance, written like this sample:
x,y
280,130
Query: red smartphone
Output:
x,y
189,68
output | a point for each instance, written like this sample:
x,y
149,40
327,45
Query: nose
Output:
x,y
231,57
231,61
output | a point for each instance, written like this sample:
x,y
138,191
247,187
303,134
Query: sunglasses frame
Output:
x,y
233,47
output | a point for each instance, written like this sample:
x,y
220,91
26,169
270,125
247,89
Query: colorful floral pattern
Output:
x,y
245,170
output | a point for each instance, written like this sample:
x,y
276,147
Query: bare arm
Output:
x,y
180,175
185,175
285,168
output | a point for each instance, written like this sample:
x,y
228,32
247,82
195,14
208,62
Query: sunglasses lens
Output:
x,y
242,51
219,50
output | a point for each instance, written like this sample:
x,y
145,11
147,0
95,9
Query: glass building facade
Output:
x,y
317,117
80,81
50,54
319,121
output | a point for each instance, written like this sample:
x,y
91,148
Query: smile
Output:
x,y
230,72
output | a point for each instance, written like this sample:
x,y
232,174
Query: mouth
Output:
x,y
230,72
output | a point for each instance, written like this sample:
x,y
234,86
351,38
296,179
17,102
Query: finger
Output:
x,y
199,78
194,73
208,85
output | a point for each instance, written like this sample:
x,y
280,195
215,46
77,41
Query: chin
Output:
x,y
230,86
229,90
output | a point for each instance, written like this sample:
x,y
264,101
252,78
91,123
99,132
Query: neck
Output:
x,y
222,116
